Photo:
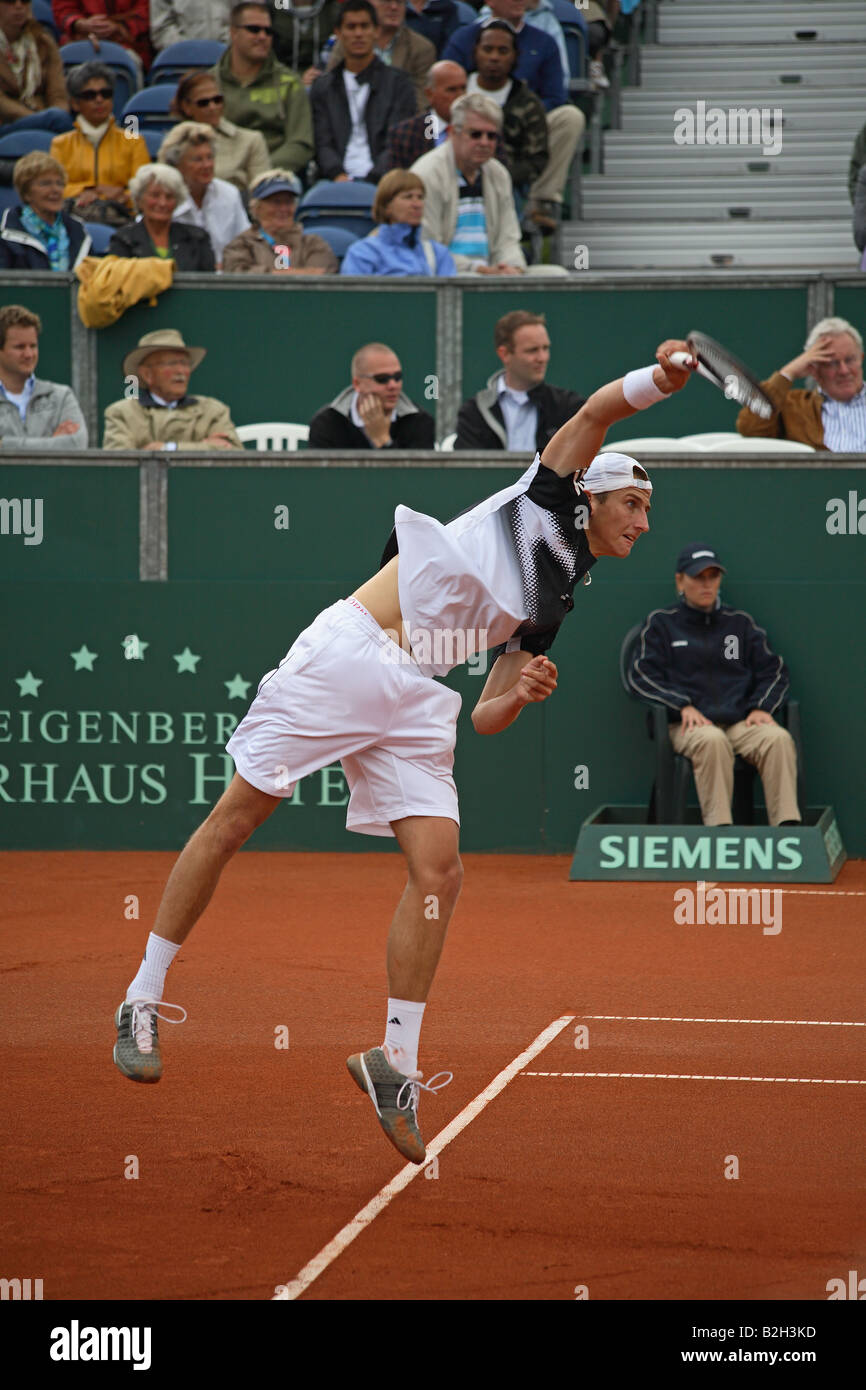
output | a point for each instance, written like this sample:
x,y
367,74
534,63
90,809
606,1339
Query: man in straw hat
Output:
x,y
157,412
356,685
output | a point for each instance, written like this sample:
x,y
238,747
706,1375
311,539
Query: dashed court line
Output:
x,y
686,1076
787,1022
286,1293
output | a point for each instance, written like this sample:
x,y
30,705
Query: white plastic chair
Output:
x,y
650,444
274,435
740,444
447,444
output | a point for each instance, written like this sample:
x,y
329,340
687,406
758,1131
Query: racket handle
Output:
x,y
683,359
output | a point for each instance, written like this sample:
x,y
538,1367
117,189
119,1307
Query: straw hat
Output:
x,y
156,342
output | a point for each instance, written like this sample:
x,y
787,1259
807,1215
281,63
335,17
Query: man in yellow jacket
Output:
x,y
99,157
157,412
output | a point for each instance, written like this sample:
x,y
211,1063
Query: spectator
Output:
x,y
397,246
34,414
126,22
517,410
858,159
303,37
357,101
38,234
157,191
276,245
241,155
436,20
600,19
539,64
524,128
834,416
211,204
540,14
99,158
470,205
171,21
162,415
260,94
860,215
712,666
32,89
373,413
398,46
408,140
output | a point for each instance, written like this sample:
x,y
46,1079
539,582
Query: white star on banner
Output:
x,y
29,684
186,661
237,687
83,658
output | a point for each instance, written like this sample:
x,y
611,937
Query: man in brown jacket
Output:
x,y
160,414
32,85
834,416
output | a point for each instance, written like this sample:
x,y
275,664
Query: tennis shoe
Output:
x,y
136,1052
395,1098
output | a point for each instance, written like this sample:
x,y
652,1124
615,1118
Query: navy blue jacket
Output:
x,y
21,251
720,662
436,22
538,60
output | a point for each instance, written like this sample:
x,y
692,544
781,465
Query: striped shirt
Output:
x,y
470,234
845,424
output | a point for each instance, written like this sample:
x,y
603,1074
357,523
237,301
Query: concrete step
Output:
x,y
794,123
800,24
605,199
691,160
638,101
674,245
659,141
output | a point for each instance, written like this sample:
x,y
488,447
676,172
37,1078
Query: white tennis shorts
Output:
x,y
346,691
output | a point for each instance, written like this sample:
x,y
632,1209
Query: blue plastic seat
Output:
x,y
8,199
577,50
153,139
568,13
179,57
100,236
348,205
150,108
338,238
43,14
126,75
465,13
21,142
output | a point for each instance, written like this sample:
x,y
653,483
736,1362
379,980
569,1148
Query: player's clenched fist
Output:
x,y
671,377
537,680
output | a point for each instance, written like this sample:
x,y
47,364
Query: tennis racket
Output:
x,y
726,372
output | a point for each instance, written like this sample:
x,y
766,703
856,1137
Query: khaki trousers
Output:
x,y
565,125
711,749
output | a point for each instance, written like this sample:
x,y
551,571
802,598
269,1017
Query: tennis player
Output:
x,y
357,685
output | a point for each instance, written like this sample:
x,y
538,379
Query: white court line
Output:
x,y
319,1263
661,1018
828,892
682,1076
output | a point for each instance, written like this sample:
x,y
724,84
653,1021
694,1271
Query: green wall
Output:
x,y
239,590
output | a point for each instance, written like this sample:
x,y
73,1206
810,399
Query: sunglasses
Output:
x,y
255,28
482,135
209,101
96,93
382,378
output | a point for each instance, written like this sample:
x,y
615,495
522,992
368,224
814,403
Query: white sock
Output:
x,y
402,1032
150,980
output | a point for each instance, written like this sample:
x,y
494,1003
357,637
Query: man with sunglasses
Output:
x,y
374,412
260,94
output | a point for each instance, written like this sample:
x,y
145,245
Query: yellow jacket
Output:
x,y
114,160
110,284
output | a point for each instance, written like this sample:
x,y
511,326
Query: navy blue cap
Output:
x,y
266,188
695,558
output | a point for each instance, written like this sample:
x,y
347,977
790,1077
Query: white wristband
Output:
x,y
639,388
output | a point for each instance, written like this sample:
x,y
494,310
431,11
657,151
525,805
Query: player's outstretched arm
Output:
x,y
517,679
576,444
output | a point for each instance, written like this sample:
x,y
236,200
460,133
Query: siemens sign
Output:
x,y
709,852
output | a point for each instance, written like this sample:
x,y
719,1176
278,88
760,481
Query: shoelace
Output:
x,y
415,1084
143,1012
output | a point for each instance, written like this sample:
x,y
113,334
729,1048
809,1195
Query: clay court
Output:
x,y
587,1171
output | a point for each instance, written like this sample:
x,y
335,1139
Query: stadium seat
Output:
x,y
21,142
466,13
150,108
44,15
114,57
667,802
348,205
8,199
179,57
447,444
577,51
338,238
153,139
648,444
742,444
100,235
274,436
